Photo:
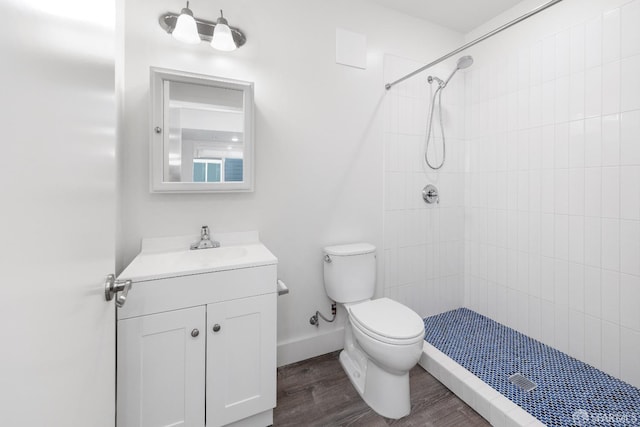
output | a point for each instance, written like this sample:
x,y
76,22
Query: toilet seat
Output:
x,y
387,321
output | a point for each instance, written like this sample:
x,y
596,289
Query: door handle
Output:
x,y
113,287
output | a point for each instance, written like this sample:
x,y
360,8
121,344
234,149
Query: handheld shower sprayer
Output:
x,y
463,62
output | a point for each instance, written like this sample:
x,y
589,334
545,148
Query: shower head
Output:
x,y
463,62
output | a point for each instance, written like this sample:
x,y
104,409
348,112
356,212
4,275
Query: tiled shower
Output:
x,y
539,221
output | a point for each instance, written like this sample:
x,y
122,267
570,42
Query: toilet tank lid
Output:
x,y
350,249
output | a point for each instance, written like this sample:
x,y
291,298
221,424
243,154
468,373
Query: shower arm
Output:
x,y
474,42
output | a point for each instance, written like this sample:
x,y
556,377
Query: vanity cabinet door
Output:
x,y
161,369
241,358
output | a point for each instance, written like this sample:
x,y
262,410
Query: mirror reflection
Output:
x,y
205,133
202,139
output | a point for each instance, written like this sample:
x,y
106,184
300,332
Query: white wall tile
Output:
x,y
630,84
535,64
611,87
547,191
561,238
535,106
611,244
593,191
534,276
561,283
592,241
593,341
629,29
576,334
629,351
576,144
549,58
391,267
547,273
577,48
611,348
576,239
576,96
593,42
576,287
524,68
547,233
534,323
561,333
547,102
576,191
629,138
592,291
593,92
561,146
593,142
611,192
630,247
629,299
561,199
611,140
630,192
611,296
611,35
547,322
563,89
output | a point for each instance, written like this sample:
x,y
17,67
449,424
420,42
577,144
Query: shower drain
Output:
x,y
523,382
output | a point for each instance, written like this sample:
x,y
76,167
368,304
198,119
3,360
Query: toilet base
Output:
x,y
386,393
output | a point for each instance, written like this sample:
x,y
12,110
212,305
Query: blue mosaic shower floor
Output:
x,y
568,393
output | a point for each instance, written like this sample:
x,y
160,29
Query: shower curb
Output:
x,y
484,399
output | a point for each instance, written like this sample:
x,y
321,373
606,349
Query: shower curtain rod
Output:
x,y
474,42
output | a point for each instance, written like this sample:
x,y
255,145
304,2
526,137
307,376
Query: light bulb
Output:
x,y
186,29
222,36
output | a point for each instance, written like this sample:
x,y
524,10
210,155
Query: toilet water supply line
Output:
x,y
316,322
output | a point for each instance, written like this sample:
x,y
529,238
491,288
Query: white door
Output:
x,y
57,204
241,358
161,369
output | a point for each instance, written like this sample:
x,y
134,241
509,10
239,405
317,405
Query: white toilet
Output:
x,y
383,338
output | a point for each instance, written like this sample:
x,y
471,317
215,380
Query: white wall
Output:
x,y
553,180
319,148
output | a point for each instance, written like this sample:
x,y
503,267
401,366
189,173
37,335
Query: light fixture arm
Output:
x,y
205,28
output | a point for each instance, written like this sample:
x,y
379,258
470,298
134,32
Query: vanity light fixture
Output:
x,y
186,29
222,37
219,34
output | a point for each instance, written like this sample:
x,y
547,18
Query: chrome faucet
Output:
x,y
205,241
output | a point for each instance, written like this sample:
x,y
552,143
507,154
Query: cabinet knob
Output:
x,y
195,333
216,327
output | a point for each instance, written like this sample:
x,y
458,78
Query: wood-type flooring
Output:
x,y
317,392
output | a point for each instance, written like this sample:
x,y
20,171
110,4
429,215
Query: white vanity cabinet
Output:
x,y
161,369
198,348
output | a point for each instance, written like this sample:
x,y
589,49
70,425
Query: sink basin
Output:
x,y
151,265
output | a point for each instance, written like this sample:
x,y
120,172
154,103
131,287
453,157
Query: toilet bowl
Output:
x,y
377,361
383,338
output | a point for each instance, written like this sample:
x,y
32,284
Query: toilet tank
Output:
x,y
350,272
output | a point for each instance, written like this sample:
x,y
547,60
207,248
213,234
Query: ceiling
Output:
x,y
459,15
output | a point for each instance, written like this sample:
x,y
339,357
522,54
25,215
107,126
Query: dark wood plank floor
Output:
x,y
317,392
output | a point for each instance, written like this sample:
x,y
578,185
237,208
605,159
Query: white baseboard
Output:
x,y
305,348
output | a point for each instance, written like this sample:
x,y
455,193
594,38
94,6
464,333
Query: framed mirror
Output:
x,y
201,133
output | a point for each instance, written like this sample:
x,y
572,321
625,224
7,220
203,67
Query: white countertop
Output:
x,y
160,259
